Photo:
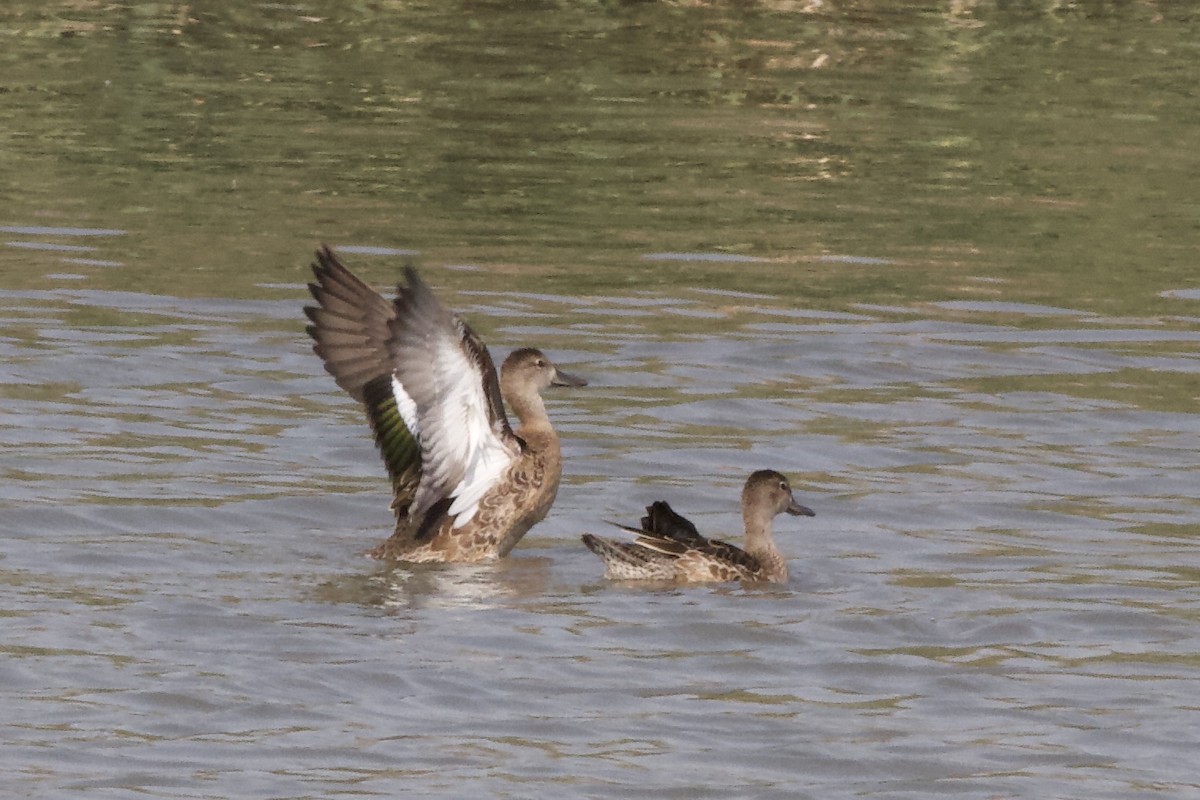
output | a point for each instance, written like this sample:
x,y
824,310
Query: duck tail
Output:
x,y
601,547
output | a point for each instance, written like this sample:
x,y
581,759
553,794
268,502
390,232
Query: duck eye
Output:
x,y
783,485
540,363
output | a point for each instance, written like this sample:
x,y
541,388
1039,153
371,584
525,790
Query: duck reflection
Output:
x,y
406,587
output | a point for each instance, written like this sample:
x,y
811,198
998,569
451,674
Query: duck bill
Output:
x,y
566,379
797,510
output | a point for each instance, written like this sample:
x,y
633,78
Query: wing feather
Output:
x,y
349,325
664,522
350,332
465,439
726,553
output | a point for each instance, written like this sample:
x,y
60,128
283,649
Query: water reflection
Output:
x,y
374,250
402,588
41,230
62,248
732,258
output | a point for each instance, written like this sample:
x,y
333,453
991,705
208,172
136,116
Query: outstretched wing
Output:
x,y
465,438
349,327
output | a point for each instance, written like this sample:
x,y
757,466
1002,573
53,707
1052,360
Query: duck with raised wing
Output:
x,y
465,485
668,547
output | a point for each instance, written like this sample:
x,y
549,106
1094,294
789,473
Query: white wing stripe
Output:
x,y
485,470
407,408
457,440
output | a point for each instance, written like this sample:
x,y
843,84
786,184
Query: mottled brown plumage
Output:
x,y
668,547
465,486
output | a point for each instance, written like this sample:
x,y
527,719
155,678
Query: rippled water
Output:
x,y
933,260
997,597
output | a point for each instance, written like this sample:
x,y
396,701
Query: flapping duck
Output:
x,y
465,485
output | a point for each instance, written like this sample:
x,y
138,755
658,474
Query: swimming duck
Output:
x,y
668,547
465,485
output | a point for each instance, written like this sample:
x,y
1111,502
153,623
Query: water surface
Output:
x,y
935,261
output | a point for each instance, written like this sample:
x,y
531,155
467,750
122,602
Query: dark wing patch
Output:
x,y
662,521
400,450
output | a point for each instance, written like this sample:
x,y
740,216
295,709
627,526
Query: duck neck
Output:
x,y
761,545
528,408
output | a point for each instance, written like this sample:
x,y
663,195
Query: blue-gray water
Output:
x,y
997,597
935,261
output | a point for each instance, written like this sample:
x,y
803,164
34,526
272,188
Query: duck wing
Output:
x,y
661,521
465,438
664,532
349,325
667,532
350,332
727,555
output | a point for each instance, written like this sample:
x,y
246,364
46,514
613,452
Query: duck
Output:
x,y
668,547
466,486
